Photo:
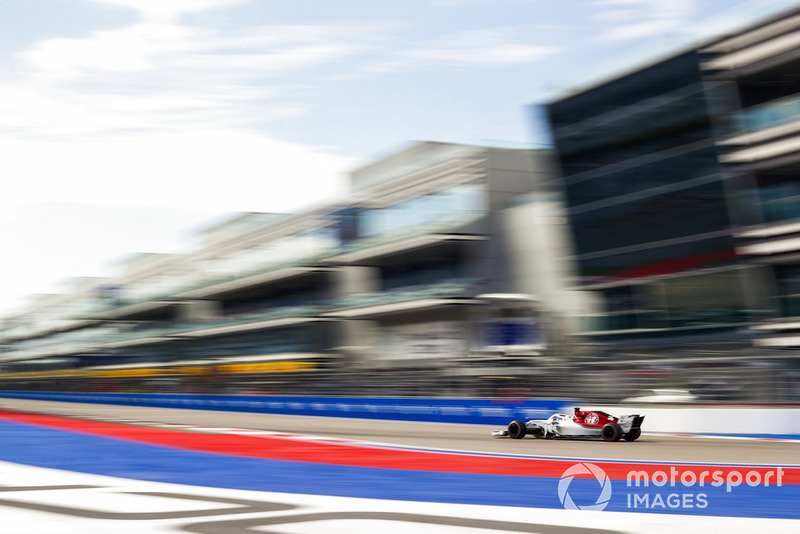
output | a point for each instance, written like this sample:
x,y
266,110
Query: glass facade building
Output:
x,y
328,301
646,198
681,184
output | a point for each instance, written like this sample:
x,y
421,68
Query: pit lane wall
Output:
x,y
777,421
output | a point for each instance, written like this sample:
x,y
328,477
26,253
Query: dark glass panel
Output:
x,y
672,215
665,77
695,254
643,177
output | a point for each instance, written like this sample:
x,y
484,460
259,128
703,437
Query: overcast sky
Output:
x,y
126,125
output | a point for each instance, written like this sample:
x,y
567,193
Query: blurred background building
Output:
x,y
419,283
683,193
450,270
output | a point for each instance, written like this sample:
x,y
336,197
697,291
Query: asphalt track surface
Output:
x,y
456,437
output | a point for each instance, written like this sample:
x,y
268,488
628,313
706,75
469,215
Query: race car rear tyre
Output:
x,y
517,429
612,432
633,435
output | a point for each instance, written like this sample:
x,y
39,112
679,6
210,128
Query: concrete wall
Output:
x,y
743,420
538,248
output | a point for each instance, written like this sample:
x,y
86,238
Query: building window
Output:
x,y
453,204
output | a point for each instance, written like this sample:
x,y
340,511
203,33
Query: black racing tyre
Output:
x,y
612,432
517,429
633,435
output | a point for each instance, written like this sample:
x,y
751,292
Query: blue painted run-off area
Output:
x,y
476,411
72,451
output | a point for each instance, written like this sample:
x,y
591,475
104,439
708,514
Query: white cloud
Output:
x,y
160,182
632,19
151,76
156,115
478,48
483,47
108,51
168,10
209,170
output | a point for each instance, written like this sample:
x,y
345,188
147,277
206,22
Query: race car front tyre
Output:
x,y
633,435
517,429
612,432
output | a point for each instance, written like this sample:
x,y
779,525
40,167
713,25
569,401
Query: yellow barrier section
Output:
x,y
234,368
268,367
122,373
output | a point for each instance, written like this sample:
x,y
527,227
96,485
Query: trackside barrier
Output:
x,y
473,411
755,420
738,420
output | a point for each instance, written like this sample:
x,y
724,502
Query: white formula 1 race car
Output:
x,y
583,424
